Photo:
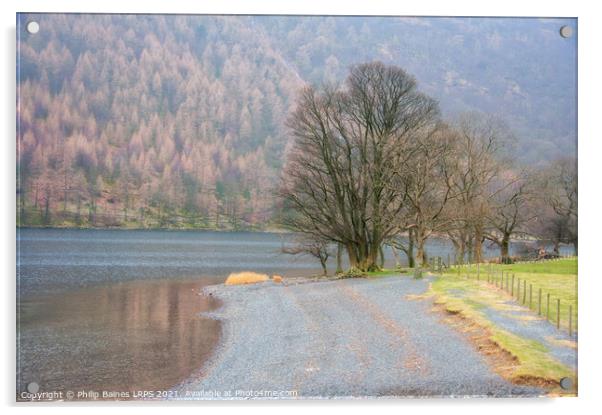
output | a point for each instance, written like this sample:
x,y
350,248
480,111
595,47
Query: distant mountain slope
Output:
x,y
179,120
520,69
150,120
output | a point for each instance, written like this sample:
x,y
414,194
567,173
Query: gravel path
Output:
x,y
341,338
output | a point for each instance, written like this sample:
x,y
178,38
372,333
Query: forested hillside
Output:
x,y
180,120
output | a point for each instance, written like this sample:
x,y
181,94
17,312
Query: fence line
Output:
x,y
510,284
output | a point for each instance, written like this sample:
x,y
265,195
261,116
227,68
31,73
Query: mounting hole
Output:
x,y
33,387
566,383
566,31
33,27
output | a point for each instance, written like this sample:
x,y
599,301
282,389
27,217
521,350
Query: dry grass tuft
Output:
x,y
277,278
246,277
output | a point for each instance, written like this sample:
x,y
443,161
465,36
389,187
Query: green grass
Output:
x,y
385,272
468,297
557,278
559,266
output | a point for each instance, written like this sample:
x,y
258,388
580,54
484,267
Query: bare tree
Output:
x,y
480,146
426,182
349,145
404,243
318,248
339,258
561,195
511,209
550,227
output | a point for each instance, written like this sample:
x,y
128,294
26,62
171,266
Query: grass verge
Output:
x,y
517,359
386,272
555,277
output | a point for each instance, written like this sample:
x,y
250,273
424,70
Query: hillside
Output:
x,y
180,120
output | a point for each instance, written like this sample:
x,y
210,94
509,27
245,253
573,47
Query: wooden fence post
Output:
x,y
558,313
530,296
539,302
518,291
512,288
524,291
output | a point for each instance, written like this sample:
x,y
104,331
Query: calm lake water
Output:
x,y
119,309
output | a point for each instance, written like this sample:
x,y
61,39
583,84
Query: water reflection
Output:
x,y
127,336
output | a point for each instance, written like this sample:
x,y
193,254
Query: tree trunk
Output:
x,y
353,261
420,251
78,219
505,249
371,262
381,257
339,258
92,212
47,210
410,250
324,269
556,249
396,256
478,244
469,249
461,251
35,200
22,207
362,256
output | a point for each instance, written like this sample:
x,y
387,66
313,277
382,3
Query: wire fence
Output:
x,y
558,311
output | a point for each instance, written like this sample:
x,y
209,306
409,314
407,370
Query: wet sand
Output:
x,y
131,336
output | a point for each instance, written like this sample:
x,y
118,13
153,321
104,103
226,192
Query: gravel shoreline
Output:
x,y
347,338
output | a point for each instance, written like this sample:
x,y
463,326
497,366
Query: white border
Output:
x,y
590,271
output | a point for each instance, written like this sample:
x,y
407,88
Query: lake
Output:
x,y
120,309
